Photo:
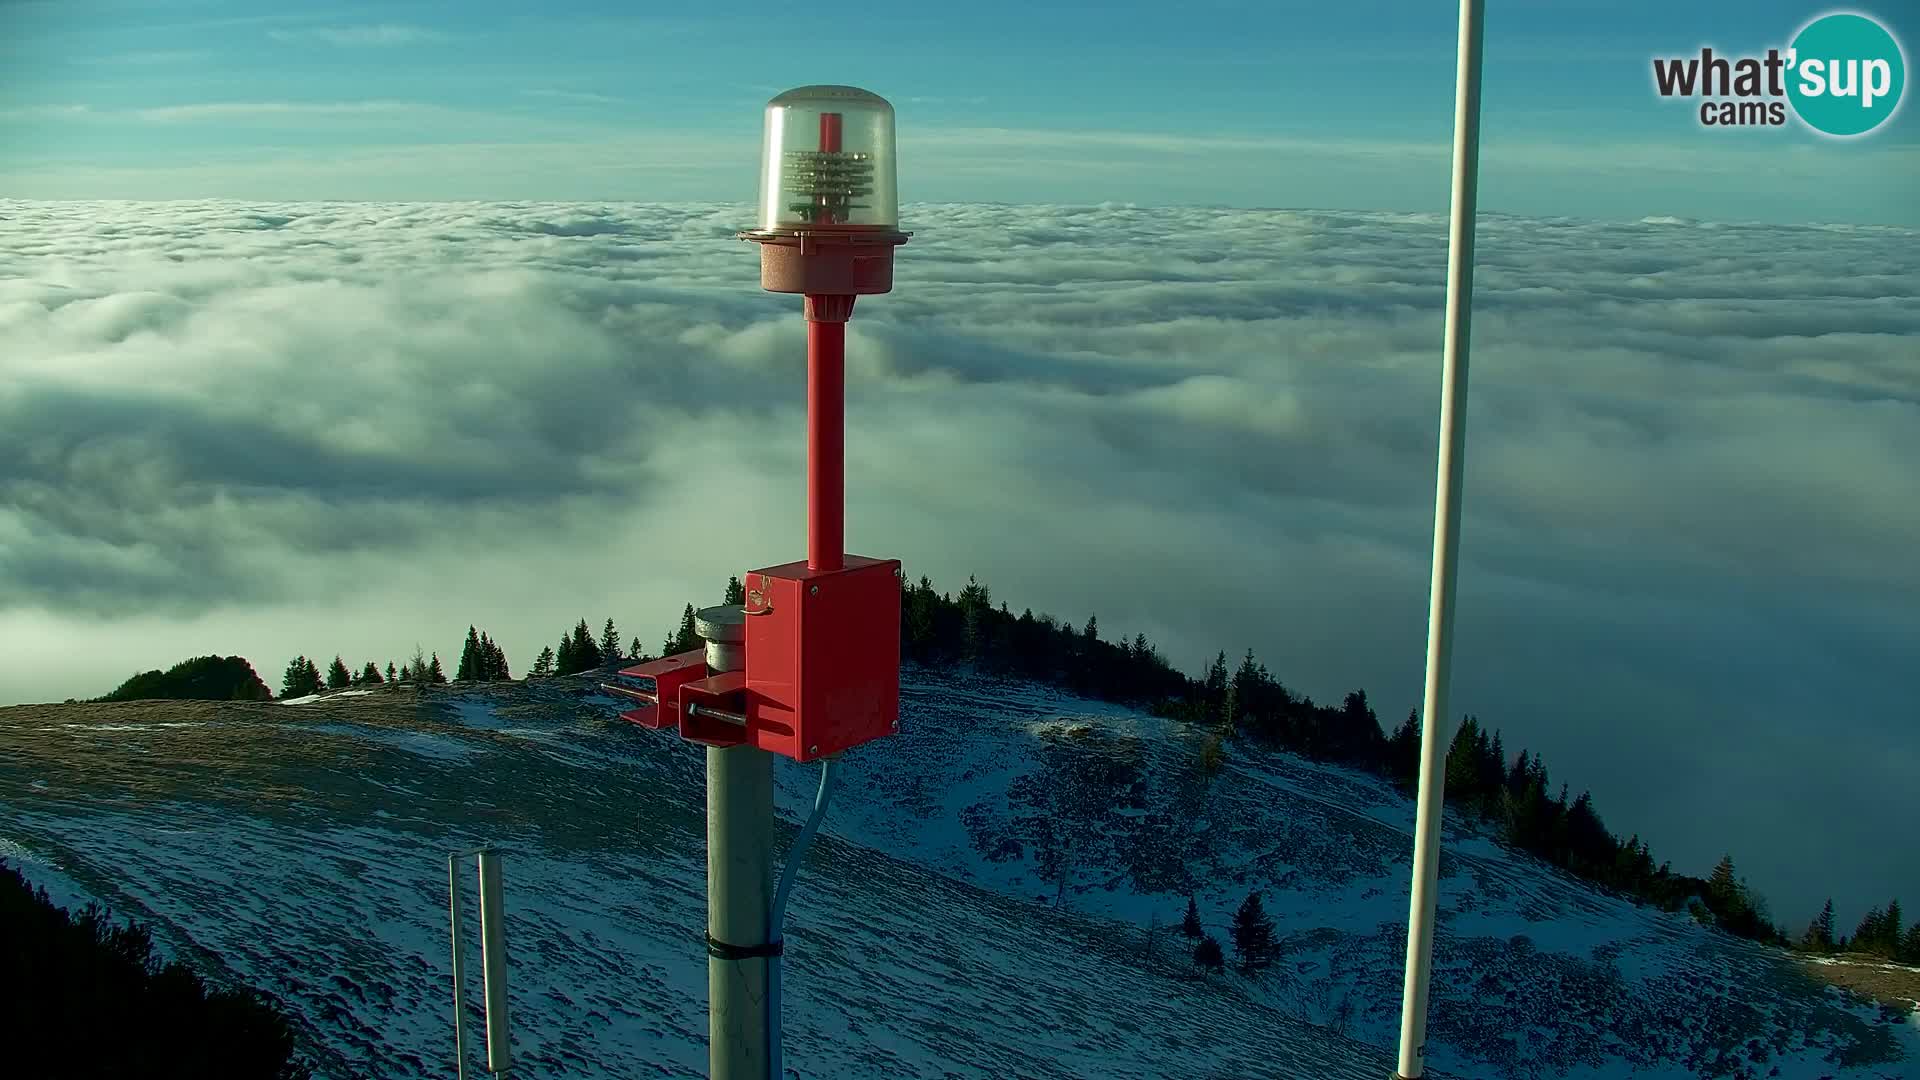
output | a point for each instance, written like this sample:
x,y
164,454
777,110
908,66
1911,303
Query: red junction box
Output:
x,y
823,656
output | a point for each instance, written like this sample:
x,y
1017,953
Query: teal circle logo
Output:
x,y
1846,73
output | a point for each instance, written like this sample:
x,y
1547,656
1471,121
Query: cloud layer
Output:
x,y
1691,504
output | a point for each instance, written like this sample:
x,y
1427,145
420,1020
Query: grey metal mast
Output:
x,y
1434,734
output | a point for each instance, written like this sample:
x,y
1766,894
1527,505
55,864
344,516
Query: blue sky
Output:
x,y
1342,105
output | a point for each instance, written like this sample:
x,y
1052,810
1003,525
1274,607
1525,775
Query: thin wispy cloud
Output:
x,y
232,110
374,36
577,95
155,57
47,112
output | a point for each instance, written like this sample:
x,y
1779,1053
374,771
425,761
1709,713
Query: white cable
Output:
x,y
775,1057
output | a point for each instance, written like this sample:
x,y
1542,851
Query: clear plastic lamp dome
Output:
x,y
829,162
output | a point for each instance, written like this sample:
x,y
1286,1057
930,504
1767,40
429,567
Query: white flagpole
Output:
x,y
1434,734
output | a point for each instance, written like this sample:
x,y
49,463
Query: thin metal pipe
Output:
x,y
706,711
722,715
638,695
459,970
1446,536
493,962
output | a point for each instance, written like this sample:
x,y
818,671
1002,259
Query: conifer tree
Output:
x,y
1463,770
609,644
1493,771
976,612
736,592
1879,932
370,675
543,665
469,667
392,674
1190,925
917,610
973,632
1207,955
686,637
1215,684
586,651
434,673
1403,748
338,677
481,669
1722,886
1867,934
300,679
1247,676
1252,934
1819,935
1516,777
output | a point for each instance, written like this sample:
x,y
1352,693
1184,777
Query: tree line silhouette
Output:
x,y
1878,934
1248,704
202,678
1245,704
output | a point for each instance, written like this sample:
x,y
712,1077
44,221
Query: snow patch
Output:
x,y
324,695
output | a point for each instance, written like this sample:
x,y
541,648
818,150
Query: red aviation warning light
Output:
x,y
829,197
810,664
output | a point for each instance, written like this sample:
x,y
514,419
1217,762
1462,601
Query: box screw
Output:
x,y
813,590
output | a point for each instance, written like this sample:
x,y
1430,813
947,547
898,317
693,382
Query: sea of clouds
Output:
x,y
1691,511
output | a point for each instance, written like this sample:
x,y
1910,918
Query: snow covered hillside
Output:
x,y
981,902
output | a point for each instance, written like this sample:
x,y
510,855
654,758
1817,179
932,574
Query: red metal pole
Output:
x,y
826,430
827,406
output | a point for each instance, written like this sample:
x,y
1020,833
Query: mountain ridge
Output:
x,y
988,776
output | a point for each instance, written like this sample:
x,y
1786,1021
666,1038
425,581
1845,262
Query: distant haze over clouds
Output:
x,y
1339,106
1691,505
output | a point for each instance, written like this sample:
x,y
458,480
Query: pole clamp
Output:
x,y
725,951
